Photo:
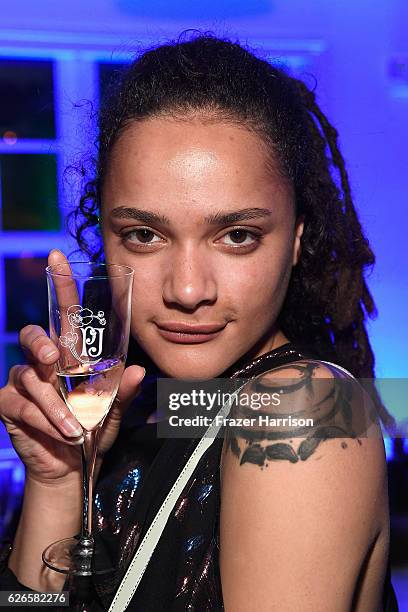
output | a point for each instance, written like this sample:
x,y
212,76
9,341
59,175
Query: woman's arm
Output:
x,y
304,520
49,513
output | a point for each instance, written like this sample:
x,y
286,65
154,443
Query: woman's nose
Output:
x,y
189,280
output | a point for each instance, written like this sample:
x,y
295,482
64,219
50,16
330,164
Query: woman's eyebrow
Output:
x,y
220,218
146,216
237,215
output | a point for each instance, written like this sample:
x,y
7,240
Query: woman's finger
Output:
x,y
64,286
20,411
131,379
14,380
128,389
64,295
49,402
37,346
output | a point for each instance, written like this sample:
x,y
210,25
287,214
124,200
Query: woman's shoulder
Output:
x,y
289,357
305,420
306,368
305,480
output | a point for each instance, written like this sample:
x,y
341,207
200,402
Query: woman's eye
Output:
x,y
141,236
240,237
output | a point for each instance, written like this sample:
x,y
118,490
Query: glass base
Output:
x,y
74,557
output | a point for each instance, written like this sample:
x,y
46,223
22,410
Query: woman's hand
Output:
x,y
43,431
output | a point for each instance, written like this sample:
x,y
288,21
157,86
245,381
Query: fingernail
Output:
x,y
71,427
46,352
80,441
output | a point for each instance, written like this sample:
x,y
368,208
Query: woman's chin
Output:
x,y
191,366
190,371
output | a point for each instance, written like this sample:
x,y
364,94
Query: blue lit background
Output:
x,y
356,52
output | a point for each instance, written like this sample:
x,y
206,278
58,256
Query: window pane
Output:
x,y
29,192
26,292
27,98
109,74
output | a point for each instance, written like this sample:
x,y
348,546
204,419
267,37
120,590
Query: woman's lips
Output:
x,y
182,337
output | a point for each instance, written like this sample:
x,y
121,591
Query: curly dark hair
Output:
x,y
328,298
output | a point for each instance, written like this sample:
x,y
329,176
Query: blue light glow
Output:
x,y
389,448
195,11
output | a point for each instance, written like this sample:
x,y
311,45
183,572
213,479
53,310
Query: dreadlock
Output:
x,y
338,328
328,299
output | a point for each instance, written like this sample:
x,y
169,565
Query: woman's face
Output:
x,y
211,235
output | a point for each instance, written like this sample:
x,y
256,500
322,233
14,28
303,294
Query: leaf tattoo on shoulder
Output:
x,y
328,401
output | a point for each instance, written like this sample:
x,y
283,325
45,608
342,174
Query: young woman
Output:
x,y
214,183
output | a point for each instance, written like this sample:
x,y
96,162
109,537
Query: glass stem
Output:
x,y
88,466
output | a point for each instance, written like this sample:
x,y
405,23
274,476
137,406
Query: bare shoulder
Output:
x,y
304,488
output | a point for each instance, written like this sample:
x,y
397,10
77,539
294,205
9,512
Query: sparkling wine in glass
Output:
x,y
89,311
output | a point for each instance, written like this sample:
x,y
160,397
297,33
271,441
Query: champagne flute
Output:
x,y
89,311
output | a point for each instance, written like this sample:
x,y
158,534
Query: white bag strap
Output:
x,y
138,565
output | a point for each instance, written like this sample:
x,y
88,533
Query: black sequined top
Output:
x,y
183,573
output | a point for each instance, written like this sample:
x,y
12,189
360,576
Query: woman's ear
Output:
x,y
299,226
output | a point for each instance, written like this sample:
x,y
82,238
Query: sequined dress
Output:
x,y
183,573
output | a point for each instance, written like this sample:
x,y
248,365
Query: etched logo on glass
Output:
x,y
90,343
